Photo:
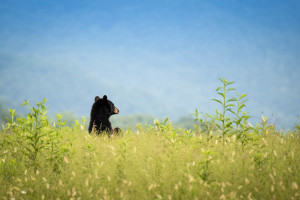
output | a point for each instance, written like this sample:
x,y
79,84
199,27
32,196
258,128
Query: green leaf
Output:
x,y
166,120
44,100
246,117
26,102
217,101
239,120
244,101
221,94
218,88
232,99
242,106
229,83
228,125
243,95
231,111
223,80
229,105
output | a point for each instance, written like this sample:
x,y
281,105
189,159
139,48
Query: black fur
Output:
x,y
101,110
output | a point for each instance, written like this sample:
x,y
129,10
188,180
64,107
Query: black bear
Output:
x,y
102,109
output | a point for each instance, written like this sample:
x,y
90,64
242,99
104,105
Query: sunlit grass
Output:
x,y
152,165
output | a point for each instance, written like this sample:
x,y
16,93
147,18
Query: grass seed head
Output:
x,y
294,186
191,179
272,188
250,196
272,178
66,160
223,197
247,181
158,196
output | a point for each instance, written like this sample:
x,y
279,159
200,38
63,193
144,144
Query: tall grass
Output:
x,y
155,162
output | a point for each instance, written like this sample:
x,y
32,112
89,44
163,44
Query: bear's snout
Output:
x,y
116,111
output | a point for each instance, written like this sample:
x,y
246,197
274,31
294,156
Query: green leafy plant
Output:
x,y
264,127
205,124
168,132
34,128
79,125
56,149
226,104
60,123
241,118
33,136
162,126
240,104
204,172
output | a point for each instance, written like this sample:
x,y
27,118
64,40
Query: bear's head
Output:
x,y
105,107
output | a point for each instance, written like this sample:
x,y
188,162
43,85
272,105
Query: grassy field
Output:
x,y
155,162
223,157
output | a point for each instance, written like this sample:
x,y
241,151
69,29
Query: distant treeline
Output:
x,y
124,122
130,121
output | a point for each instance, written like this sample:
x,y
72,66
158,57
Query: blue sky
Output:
x,y
154,57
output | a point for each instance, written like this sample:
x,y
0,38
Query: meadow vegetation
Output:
x,y
222,157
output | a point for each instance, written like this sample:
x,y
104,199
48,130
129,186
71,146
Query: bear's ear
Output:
x,y
97,98
105,97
